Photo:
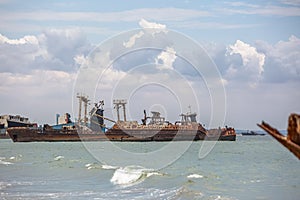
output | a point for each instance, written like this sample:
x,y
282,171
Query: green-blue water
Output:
x,y
253,167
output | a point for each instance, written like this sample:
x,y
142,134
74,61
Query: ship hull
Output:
x,y
222,138
158,135
22,134
4,136
37,135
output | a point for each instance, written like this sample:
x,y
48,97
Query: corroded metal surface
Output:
x,y
292,140
137,134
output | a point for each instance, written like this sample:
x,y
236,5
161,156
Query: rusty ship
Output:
x,y
7,121
153,128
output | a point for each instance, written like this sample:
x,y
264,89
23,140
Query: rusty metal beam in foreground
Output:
x,y
292,140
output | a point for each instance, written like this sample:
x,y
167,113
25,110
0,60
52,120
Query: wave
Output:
x,y
97,166
91,166
131,175
218,197
7,184
5,162
185,193
109,167
195,176
58,158
8,161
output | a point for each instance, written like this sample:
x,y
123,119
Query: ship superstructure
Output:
x,y
7,121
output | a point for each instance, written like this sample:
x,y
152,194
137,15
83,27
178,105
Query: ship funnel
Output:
x,y
57,117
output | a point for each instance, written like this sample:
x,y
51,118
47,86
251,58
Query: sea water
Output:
x,y
253,167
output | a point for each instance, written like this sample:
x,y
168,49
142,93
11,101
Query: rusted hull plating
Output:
x,y
292,140
36,135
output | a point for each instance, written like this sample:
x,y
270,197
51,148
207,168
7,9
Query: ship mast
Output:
x,y
85,100
118,104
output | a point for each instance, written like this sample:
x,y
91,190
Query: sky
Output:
x,y
52,50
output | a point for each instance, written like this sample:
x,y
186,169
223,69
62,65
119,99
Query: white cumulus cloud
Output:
x,y
153,27
249,55
145,24
29,39
282,60
53,49
150,27
252,63
166,59
132,39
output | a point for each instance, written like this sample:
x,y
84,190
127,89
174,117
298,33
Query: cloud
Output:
x,y
54,49
109,77
291,2
29,39
38,78
64,44
80,59
89,21
163,14
197,24
151,25
252,63
132,39
261,62
286,9
282,60
249,54
166,59
38,95
17,55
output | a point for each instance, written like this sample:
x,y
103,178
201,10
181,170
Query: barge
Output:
x,y
154,128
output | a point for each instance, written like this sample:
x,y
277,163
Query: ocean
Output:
x,y
253,167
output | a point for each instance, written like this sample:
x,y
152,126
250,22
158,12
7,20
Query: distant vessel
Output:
x,y
7,121
252,133
157,129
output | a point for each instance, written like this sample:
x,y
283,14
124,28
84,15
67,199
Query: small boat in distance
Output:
x,y
252,133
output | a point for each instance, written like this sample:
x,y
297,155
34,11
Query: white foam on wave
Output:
x,y
109,167
57,158
255,181
218,197
92,166
97,166
195,176
130,175
3,161
8,160
89,166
